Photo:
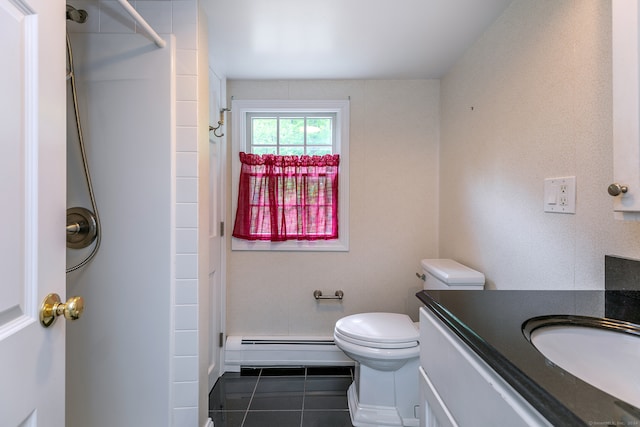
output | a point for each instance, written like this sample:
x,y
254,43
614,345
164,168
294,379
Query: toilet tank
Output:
x,y
449,274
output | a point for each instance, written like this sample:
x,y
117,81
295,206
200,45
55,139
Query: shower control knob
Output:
x,y
82,227
617,189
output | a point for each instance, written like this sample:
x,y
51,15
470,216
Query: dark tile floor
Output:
x,y
282,397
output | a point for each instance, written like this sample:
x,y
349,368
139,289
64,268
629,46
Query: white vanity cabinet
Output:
x,y
457,388
626,109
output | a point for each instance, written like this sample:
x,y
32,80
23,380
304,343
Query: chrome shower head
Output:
x,y
76,15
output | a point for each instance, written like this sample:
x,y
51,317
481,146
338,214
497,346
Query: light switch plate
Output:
x,y
560,195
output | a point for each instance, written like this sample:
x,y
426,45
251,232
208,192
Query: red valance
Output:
x,y
280,161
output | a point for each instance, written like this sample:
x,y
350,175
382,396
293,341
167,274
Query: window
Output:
x,y
291,134
296,128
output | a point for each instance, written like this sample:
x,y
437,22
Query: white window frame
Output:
x,y
239,110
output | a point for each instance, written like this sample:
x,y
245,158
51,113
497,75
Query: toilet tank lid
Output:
x,y
450,271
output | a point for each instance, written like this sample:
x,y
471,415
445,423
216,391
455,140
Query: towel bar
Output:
x,y
317,294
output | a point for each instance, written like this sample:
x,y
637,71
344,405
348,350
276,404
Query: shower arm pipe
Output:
x,y
140,21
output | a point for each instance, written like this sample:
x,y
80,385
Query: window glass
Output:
x,y
319,131
292,131
286,134
264,131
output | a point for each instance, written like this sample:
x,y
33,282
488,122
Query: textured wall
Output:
x,y
393,215
532,100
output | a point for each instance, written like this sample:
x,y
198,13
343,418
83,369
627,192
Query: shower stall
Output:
x,y
139,354
119,349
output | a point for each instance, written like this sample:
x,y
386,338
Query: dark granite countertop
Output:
x,y
490,323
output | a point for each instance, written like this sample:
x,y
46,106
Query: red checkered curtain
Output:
x,y
287,198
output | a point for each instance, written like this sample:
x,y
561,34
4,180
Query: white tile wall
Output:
x,y
186,343
186,138
186,393
187,88
187,190
186,291
157,14
186,62
185,20
186,215
186,241
186,267
113,19
186,317
186,368
186,164
186,112
185,417
181,19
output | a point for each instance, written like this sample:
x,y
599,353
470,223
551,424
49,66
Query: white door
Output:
x,y
32,218
217,156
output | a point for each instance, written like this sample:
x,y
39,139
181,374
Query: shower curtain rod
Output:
x,y
140,20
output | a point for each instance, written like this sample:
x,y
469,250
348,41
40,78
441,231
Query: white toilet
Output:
x,y
386,350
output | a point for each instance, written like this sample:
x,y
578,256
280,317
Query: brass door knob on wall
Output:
x,y
51,308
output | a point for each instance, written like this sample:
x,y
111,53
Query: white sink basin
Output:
x,y
602,352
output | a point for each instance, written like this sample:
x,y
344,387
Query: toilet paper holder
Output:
x,y
317,294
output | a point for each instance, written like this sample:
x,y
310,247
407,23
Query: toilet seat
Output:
x,y
372,344
378,330
380,358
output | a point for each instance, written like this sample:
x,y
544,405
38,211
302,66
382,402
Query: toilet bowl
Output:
x,y
384,341
386,350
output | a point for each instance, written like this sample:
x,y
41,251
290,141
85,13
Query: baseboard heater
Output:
x,y
262,351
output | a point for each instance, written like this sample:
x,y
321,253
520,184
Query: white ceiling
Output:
x,y
344,39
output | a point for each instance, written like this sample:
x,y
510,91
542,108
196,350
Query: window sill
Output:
x,y
338,245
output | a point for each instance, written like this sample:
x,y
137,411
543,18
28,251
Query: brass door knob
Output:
x,y
51,308
617,189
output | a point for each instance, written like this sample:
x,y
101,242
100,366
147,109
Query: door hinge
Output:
x,y
221,340
222,229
